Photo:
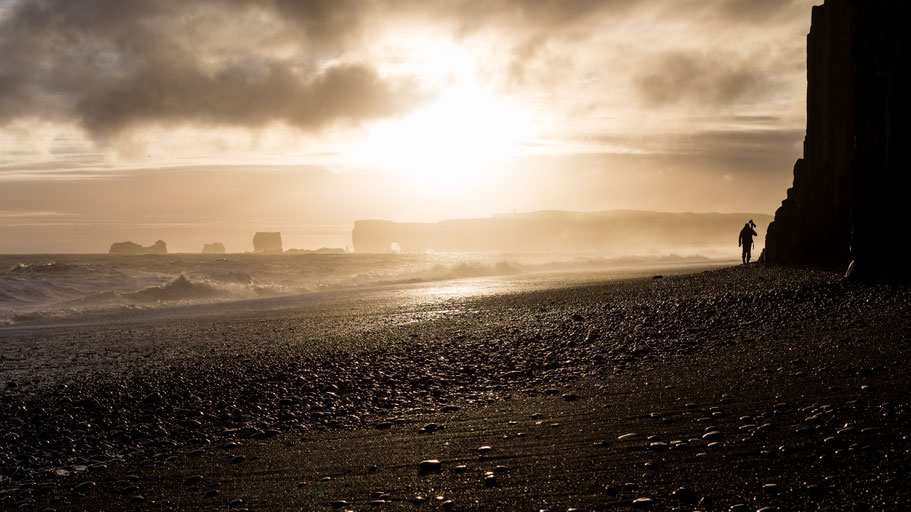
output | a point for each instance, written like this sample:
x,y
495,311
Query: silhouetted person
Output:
x,y
746,240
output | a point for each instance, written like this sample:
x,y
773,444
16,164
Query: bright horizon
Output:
x,y
197,122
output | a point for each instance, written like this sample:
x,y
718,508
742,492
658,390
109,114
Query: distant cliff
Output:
x,y
268,242
158,247
845,202
609,232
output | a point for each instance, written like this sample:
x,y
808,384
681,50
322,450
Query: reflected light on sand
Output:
x,y
459,289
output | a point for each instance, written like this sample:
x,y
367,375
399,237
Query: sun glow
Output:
x,y
451,144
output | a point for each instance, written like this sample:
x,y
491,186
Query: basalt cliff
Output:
x,y
844,208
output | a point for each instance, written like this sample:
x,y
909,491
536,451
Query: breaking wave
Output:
x,y
179,289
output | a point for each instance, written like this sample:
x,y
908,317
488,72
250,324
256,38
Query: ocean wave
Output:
x,y
46,290
180,289
42,268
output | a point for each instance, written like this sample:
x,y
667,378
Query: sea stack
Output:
x,y
213,248
268,242
843,208
158,247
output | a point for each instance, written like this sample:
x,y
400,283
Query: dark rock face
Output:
x,y
844,203
158,247
266,242
213,248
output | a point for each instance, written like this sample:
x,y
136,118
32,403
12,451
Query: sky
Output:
x,y
195,121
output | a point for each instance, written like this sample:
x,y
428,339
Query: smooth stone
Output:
x,y
658,446
429,466
685,495
84,486
192,480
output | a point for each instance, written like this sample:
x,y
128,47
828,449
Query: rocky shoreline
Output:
x,y
752,333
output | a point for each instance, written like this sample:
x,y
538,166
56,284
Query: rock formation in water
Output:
x,y
844,205
213,248
609,232
268,243
158,247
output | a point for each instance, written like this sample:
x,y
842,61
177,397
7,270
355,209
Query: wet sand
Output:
x,y
801,375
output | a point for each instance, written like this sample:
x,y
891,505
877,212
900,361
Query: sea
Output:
x,y
47,289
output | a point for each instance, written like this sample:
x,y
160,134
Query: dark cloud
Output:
x,y
112,65
678,77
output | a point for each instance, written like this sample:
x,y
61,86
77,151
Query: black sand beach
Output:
x,y
746,388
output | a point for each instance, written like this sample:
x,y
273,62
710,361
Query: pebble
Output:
x,y
429,466
685,495
84,486
193,480
712,435
643,502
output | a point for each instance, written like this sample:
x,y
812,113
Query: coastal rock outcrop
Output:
x,y
844,205
607,232
213,248
268,242
158,247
